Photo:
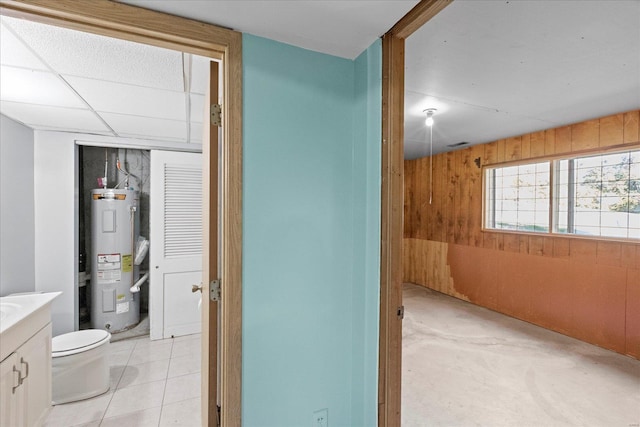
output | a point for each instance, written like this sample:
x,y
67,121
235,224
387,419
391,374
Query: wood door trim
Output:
x,y
392,209
389,371
140,25
231,232
127,22
209,336
417,17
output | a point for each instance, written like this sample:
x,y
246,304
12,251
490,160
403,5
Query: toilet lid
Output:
x,y
75,342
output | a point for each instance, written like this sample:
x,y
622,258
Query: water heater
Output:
x,y
115,224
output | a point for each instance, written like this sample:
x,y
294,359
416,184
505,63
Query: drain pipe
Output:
x,y
136,286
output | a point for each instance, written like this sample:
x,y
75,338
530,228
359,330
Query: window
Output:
x,y
592,195
519,197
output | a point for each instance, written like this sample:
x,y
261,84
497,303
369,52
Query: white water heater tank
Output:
x,y
115,224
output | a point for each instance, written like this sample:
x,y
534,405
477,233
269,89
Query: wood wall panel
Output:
x,y
583,251
585,135
631,131
438,224
500,156
409,200
513,149
450,196
424,186
474,177
537,245
490,153
549,142
576,286
425,262
561,247
493,241
511,243
563,140
525,146
612,130
537,144
461,235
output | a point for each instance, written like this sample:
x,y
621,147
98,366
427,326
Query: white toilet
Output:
x,y
80,365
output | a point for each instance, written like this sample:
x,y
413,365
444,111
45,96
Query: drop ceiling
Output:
x,y
65,80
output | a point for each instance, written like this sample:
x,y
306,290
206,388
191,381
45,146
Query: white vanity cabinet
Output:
x,y
26,382
11,400
25,359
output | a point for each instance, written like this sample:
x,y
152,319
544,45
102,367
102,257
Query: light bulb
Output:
x,y
429,112
429,121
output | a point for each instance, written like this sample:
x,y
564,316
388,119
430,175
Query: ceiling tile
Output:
x,y
104,96
90,55
36,87
14,52
47,117
150,128
197,108
196,133
200,74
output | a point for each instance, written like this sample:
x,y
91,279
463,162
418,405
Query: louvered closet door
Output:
x,y
176,243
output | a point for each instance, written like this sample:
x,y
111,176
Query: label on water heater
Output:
x,y
109,268
122,307
127,263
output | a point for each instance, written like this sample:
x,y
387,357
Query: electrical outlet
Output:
x,y
321,418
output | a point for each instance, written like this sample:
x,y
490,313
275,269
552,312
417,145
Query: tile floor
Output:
x,y
153,383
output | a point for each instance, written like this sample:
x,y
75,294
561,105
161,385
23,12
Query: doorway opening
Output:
x,y
158,29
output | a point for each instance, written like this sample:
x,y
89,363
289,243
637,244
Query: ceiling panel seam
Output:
x,y
62,79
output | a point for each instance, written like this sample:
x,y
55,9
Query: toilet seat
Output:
x,y
78,342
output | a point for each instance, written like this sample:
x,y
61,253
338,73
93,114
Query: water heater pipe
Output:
x,y
103,183
132,210
136,287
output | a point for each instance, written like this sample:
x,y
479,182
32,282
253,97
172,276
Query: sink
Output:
x,y
22,316
7,309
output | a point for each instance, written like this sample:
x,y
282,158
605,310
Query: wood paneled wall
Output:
x,y
593,292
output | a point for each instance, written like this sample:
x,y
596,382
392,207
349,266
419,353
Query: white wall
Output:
x,y
56,198
16,208
56,222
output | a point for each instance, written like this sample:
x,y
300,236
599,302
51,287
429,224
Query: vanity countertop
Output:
x,y
22,316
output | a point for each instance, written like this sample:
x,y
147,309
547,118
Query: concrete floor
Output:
x,y
464,365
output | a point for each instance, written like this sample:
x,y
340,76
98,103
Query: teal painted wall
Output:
x,y
311,209
366,225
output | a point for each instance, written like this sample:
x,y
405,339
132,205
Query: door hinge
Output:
x,y
401,312
215,293
219,420
216,115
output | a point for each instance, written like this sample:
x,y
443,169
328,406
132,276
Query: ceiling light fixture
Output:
x,y
430,112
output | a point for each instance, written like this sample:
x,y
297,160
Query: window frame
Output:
x,y
553,211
